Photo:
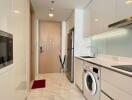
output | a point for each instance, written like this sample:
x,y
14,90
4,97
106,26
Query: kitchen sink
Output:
x,y
87,57
124,67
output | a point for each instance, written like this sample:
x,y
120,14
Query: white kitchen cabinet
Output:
x,y
123,10
86,22
120,81
96,17
116,85
79,73
104,97
101,16
101,13
5,15
114,92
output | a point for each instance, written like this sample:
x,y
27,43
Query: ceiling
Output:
x,y
62,8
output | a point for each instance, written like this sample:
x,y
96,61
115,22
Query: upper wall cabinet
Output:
x,y
98,15
86,21
5,14
123,9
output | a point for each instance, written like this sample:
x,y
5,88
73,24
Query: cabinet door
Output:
x,y
102,14
114,92
5,15
78,72
124,9
104,97
120,81
86,22
96,17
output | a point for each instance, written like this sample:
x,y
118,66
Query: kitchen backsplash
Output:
x,y
117,42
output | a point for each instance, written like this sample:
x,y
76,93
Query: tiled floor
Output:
x,y
57,88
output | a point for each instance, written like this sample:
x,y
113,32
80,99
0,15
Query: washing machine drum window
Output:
x,y
90,83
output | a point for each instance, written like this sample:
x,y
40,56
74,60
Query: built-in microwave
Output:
x,y
6,49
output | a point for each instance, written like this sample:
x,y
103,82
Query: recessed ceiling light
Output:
x,y
128,2
96,19
52,9
16,11
51,15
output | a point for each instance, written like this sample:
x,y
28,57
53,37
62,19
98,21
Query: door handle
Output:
x,y
41,49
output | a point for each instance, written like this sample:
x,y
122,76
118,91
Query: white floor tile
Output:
x,y
57,88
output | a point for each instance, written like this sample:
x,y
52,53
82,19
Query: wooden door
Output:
x,y
49,47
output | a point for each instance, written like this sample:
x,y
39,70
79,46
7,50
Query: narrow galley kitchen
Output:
x,y
65,49
52,49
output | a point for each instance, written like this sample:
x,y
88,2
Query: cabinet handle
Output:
x,y
107,95
41,49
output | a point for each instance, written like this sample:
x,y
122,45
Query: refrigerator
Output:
x,y
70,56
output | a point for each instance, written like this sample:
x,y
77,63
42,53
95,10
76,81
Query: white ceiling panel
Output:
x,y
62,8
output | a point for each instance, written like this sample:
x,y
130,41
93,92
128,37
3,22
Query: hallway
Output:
x,y
57,88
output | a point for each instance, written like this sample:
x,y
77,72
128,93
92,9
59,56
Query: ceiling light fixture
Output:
x,y
52,1
16,11
51,15
96,19
128,2
52,9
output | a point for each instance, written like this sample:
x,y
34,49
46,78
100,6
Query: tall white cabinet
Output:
x,y
86,22
14,19
116,86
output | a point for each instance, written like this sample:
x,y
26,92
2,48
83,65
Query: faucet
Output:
x,y
94,51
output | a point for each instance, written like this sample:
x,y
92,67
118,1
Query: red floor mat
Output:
x,y
39,84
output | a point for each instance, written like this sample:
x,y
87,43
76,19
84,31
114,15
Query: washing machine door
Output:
x,y
90,83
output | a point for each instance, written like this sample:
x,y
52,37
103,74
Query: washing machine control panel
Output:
x,y
95,70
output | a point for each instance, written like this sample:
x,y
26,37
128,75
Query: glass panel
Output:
x,y
116,42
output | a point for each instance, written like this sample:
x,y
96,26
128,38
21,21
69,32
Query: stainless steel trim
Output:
x,y
121,23
107,95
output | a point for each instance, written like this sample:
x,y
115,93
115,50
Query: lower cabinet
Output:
x,y
113,85
113,92
78,65
104,97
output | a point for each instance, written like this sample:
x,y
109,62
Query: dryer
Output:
x,y
91,82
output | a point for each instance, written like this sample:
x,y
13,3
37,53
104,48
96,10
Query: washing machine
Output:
x,y
91,81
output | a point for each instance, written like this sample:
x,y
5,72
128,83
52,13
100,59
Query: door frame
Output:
x,y
38,45
38,50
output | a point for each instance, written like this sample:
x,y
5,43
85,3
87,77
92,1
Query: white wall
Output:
x,y
13,78
82,44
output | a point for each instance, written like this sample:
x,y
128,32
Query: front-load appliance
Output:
x,y
91,85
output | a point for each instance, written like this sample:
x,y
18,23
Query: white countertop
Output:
x,y
105,62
